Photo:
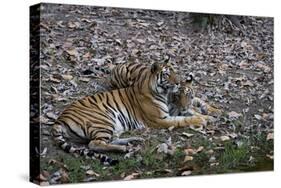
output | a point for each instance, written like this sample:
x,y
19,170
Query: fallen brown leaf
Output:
x,y
131,176
270,136
186,173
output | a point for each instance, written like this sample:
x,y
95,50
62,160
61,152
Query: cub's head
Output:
x,y
164,79
185,93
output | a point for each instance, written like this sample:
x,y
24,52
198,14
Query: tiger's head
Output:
x,y
164,78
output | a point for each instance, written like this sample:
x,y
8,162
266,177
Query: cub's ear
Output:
x,y
155,67
189,78
188,81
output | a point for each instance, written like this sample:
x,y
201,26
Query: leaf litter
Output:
x,y
233,71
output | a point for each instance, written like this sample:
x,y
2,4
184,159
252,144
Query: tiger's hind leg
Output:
x,y
126,141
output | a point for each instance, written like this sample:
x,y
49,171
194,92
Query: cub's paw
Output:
x,y
214,111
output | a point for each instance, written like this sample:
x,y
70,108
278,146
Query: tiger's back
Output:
x,y
128,74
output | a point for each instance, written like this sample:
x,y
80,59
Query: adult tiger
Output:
x,y
180,103
99,118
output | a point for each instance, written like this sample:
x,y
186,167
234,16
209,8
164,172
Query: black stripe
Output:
x,y
127,106
67,148
112,109
132,99
93,98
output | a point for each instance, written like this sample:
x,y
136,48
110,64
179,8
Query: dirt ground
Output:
x,y
233,70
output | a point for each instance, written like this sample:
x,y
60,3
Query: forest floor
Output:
x,y
233,71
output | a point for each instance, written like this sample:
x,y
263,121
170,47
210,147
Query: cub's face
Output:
x,y
186,93
165,77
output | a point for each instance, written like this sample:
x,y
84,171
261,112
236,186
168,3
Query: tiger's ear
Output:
x,y
155,67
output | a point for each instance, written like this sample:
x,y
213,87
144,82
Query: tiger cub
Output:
x,y
184,103
98,120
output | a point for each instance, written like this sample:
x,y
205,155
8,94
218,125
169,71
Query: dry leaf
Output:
x,y
270,156
58,163
84,79
86,20
186,173
89,179
162,148
73,25
131,176
44,183
123,174
199,149
87,55
92,173
212,159
188,135
187,158
67,76
53,79
51,115
72,52
171,128
189,151
64,176
85,167
210,152
270,136
224,138
164,171
265,68
233,115
41,177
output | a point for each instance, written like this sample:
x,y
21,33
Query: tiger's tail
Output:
x,y
60,140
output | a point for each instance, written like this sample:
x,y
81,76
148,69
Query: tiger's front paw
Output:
x,y
198,122
209,119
